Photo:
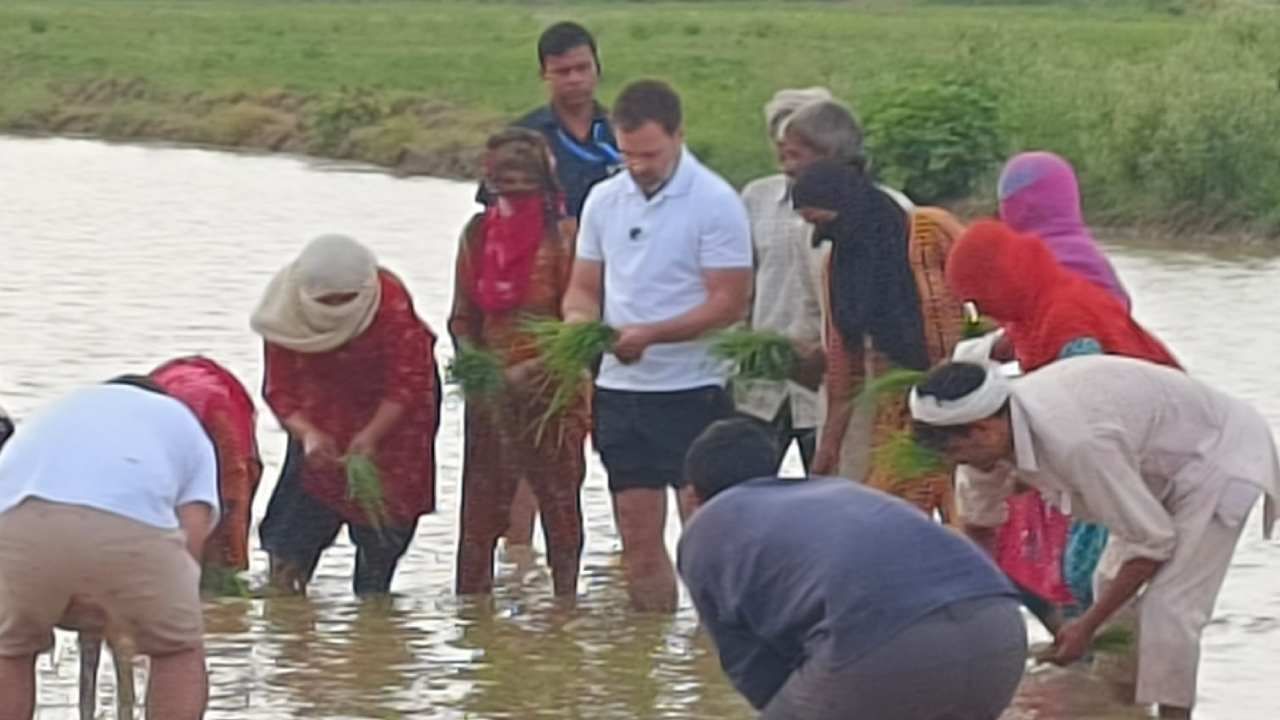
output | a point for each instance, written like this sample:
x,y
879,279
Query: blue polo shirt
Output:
x,y
579,165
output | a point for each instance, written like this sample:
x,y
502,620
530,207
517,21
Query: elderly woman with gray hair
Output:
x,y
825,129
788,275
349,372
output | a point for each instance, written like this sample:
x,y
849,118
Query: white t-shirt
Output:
x,y
654,252
116,448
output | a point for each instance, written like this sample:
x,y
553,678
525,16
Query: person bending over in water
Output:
x,y
829,600
1170,466
106,499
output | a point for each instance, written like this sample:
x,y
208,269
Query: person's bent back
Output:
x,y
106,499
830,600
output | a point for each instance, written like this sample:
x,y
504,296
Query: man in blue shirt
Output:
x,y
828,600
575,125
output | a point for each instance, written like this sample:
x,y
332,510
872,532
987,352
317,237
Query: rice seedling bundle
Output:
x,y
894,383
755,354
478,372
905,459
1113,640
977,327
364,486
224,582
567,351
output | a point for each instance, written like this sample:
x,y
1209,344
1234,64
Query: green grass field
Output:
x,y
1171,116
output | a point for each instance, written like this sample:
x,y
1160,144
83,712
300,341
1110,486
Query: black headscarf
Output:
x,y
873,290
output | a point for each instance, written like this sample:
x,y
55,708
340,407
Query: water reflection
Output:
x,y
117,257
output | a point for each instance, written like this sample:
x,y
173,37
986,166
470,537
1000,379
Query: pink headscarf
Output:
x,y
1039,195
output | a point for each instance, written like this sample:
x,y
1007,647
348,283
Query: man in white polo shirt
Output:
x,y
664,256
106,499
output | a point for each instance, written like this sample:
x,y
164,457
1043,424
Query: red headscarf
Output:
x,y
512,230
1015,280
514,225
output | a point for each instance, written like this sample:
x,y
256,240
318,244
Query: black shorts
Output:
x,y
642,437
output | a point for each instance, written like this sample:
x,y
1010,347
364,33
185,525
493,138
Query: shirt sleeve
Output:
x,y
980,496
754,669
465,318
845,373
201,482
590,242
1105,473
410,353
279,387
725,239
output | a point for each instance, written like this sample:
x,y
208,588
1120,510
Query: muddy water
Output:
x,y
115,258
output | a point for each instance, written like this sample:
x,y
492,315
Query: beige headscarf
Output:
x,y
291,314
787,101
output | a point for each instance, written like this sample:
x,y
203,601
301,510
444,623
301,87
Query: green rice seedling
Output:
x,y
975,325
224,582
567,350
755,354
895,383
478,372
1113,640
364,486
907,460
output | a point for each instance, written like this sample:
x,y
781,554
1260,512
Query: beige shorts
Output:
x,y
141,577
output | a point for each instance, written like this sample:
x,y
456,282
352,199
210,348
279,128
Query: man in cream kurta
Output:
x,y
787,301
1169,465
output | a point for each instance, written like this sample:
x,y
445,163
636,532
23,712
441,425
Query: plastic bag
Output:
x,y
1031,544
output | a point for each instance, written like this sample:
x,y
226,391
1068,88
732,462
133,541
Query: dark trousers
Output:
x,y
961,662
298,529
1043,610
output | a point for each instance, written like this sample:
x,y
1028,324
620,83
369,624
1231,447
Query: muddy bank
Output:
x,y
409,135
405,134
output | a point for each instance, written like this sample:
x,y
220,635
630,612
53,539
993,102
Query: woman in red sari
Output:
x,y
226,411
349,372
513,262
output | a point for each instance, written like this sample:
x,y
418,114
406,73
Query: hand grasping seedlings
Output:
x,y
364,486
567,351
478,372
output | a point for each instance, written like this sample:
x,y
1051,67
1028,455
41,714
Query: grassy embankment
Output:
x,y
1172,117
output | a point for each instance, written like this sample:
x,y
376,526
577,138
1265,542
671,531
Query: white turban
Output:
x,y
985,401
786,102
